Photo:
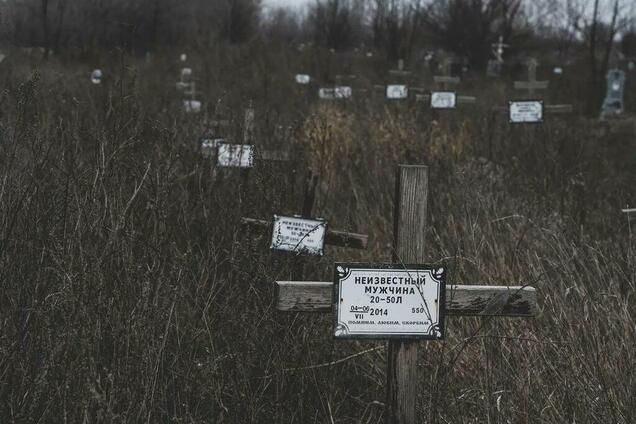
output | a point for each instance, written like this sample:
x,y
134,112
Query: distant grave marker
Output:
x,y
531,109
442,97
235,155
527,111
297,234
443,100
613,102
495,66
532,84
397,92
303,79
96,76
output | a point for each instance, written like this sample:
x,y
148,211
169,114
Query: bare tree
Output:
x,y
396,25
469,27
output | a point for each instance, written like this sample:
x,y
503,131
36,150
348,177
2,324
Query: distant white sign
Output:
x,y
396,92
388,301
443,100
192,106
557,70
235,155
326,93
96,76
186,72
342,92
295,234
303,79
183,57
527,111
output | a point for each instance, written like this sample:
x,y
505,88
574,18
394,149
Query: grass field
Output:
x,y
130,293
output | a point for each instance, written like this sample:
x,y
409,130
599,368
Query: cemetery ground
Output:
x,y
130,292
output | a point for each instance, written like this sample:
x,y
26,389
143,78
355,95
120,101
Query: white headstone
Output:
x,y
326,93
183,57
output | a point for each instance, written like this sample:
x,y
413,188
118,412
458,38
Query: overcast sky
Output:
x,y
288,3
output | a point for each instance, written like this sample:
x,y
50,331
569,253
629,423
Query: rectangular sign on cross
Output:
x,y
396,91
303,79
443,100
295,234
342,92
525,111
383,301
235,155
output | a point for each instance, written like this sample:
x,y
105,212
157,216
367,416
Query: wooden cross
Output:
x,y
400,72
498,49
460,300
443,83
630,212
332,237
532,84
249,138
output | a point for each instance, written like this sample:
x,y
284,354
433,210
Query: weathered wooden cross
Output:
x,y
396,90
331,237
410,225
531,85
444,82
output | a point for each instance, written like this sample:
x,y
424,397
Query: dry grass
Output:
x,y
130,293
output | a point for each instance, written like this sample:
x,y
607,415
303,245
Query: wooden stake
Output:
x,y
409,231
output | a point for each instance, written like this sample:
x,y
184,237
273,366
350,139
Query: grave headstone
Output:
x,y
613,102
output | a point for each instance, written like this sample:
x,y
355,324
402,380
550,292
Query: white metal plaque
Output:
x,y
192,106
303,79
443,100
296,234
326,93
389,301
527,111
395,91
342,92
235,155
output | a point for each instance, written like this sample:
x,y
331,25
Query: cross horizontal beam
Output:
x,y
629,211
332,237
272,155
548,109
531,85
443,79
461,300
460,99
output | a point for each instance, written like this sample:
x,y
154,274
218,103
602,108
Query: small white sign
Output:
x,y
443,100
96,76
295,234
303,79
192,106
557,70
342,92
326,93
186,72
396,91
527,111
235,155
389,301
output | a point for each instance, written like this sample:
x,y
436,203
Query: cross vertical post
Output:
x,y
409,233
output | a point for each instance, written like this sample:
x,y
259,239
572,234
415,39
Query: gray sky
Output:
x,y
288,3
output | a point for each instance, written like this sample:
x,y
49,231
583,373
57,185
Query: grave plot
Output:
x,y
304,233
403,302
532,108
397,87
442,96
